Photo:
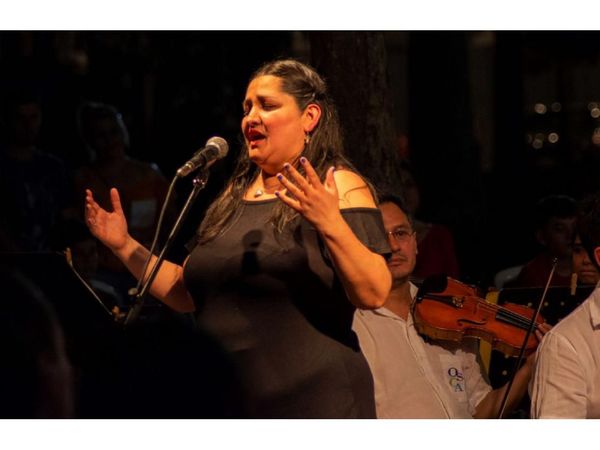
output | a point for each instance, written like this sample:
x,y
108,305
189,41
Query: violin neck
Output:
x,y
514,319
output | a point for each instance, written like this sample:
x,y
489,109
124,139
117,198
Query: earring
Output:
x,y
306,139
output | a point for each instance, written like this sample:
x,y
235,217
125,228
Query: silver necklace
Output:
x,y
258,193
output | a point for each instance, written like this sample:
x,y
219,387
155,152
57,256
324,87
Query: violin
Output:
x,y
447,309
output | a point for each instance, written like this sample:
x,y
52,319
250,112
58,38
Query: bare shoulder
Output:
x,y
353,190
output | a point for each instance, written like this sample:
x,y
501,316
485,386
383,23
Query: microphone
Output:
x,y
216,148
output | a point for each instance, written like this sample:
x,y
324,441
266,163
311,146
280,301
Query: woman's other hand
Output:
x,y
110,228
318,202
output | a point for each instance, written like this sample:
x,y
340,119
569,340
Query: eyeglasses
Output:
x,y
401,235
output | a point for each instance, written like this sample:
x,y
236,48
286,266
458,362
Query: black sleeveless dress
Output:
x,y
274,302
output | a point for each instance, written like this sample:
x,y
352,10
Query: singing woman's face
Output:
x,y
273,125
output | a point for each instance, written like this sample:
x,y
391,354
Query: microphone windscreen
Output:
x,y
220,143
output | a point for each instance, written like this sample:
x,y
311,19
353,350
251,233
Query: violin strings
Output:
x,y
507,315
503,313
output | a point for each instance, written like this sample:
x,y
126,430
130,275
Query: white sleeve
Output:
x,y
477,384
558,387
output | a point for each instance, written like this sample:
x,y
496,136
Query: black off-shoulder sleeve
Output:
x,y
367,225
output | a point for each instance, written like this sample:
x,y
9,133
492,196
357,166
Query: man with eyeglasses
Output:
x,y
416,377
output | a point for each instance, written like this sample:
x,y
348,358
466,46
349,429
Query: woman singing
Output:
x,y
283,256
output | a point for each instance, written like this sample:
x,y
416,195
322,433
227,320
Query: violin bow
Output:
x,y
529,331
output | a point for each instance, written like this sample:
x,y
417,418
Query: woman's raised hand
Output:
x,y
318,202
109,227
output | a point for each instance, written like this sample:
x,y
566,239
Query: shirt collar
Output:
x,y
383,311
595,307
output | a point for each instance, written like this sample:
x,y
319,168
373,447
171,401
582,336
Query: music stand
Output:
x,y
559,302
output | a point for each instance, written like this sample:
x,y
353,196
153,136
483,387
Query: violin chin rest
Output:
x,y
434,283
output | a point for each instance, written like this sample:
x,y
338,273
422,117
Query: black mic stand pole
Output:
x,y
140,297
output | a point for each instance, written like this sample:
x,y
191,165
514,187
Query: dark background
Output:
x,y
494,120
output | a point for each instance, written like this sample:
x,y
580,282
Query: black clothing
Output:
x,y
275,303
33,193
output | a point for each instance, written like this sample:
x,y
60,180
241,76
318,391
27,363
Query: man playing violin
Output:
x,y
566,381
416,377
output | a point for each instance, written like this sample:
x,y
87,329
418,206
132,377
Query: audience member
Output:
x,y
33,183
141,186
554,227
35,374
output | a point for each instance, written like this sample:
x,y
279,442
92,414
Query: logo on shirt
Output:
x,y
456,379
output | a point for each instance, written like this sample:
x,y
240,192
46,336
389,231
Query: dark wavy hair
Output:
x,y
556,205
391,197
325,148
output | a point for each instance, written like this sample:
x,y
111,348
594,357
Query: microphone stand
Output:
x,y
140,296
529,331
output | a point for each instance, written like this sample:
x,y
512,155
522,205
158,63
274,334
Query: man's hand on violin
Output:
x,y
541,330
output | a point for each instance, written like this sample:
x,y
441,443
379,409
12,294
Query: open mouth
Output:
x,y
254,136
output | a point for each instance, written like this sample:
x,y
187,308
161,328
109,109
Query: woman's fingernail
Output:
x,y
277,193
279,177
303,160
286,166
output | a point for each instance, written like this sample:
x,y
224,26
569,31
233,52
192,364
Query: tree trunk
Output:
x,y
354,65
443,151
